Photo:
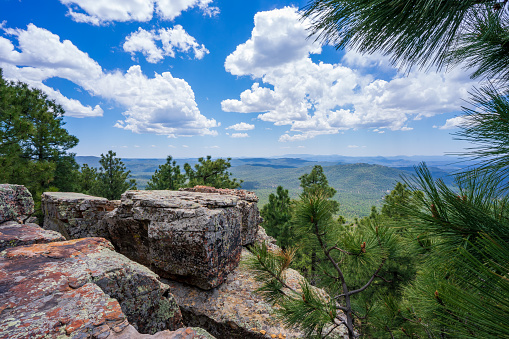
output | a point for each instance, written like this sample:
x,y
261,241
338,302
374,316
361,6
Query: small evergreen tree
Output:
x,y
353,260
88,180
113,178
167,177
314,183
277,214
212,173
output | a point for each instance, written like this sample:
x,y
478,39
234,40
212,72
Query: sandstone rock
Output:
x,y
67,288
247,205
233,309
76,215
16,203
13,234
191,237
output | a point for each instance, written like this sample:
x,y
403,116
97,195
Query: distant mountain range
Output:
x,y
360,181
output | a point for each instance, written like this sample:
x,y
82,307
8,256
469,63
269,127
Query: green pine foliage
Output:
x,y
167,177
112,178
277,214
212,173
351,260
34,144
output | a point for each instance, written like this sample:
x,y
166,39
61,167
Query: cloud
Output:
x,y
240,135
454,122
161,105
171,40
278,37
99,12
242,127
320,98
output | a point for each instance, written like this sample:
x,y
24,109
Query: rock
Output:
x,y
247,205
233,309
13,234
187,236
76,215
182,333
263,237
16,203
67,288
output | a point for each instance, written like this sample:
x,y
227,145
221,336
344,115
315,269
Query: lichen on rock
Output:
x,y
16,203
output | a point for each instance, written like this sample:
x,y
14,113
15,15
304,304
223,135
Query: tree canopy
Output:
x,y
210,172
34,144
167,177
113,178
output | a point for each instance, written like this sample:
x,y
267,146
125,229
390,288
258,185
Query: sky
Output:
x,y
189,78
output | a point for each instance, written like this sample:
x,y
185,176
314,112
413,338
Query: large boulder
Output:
x,y
187,236
76,215
13,234
247,206
233,310
77,288
16,203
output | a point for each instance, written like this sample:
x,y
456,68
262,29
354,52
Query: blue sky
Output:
x,y
149,78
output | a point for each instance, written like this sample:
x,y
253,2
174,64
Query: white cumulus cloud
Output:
x,y
98,12
454,123
242,126
240,135
320,98
163,104
155,45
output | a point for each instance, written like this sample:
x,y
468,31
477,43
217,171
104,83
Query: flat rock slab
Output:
x,y
16,203
13,234
247,205
187,236
233,310
76,215
67,288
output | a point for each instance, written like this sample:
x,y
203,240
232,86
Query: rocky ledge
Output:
x,y
191,236
81,286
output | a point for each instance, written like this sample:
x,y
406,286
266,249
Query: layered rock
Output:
x,y
247,205
13,234
76,215
16,203
233,310
187,236
78,288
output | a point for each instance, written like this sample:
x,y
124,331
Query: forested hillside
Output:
x,y
359,186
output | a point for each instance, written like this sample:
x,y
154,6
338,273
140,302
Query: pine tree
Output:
x,y
458,230
167,177
113,178
353,260
277,214
34,144
88,180
212,173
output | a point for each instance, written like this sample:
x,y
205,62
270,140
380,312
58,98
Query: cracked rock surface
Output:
x,y
76,215
16,203
13,234
80,288
186,236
